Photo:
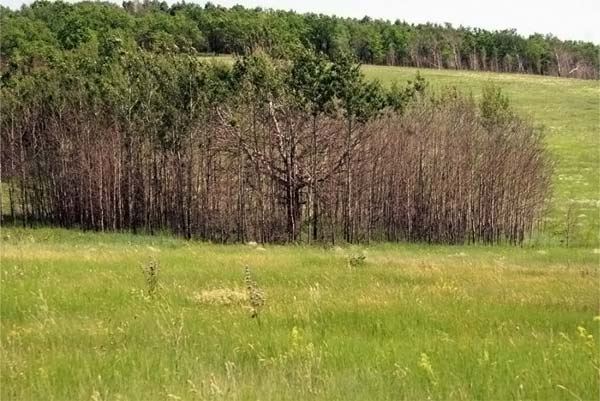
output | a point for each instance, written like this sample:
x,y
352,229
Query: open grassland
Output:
x,y
410,322
569,112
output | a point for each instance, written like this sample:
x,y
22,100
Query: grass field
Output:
x,y
411,322
569,112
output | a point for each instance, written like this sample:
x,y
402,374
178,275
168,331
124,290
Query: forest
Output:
x,y
270,150
38,32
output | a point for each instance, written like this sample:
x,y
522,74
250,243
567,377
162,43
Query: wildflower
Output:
x,y
425,364
255,294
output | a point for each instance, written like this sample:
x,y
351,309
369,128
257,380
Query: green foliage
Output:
x,y
259,74
398,97
357,260
73,33
312,81
256,297
151,271
367,43
158,27
165,33
494,106
360,98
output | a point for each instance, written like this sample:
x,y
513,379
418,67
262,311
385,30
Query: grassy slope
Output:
x,y
569,110
414,322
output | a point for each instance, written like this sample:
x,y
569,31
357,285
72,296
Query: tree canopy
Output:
x,y
32,35
111,121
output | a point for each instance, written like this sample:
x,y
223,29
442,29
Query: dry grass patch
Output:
x,y
220,296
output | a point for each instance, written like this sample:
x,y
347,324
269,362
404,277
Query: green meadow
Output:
x,y
406,322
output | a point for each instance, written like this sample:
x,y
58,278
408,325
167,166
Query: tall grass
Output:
x,y
414,322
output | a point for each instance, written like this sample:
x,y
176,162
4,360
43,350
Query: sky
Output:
x,y
571,19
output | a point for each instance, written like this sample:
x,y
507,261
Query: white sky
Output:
x,y
572,19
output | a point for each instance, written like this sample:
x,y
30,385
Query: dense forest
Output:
x,y
36,33
110,137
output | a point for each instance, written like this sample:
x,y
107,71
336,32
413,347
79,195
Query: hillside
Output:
x,y
569,112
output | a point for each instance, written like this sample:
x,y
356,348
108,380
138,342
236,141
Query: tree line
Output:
x,y
36,32
302,149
